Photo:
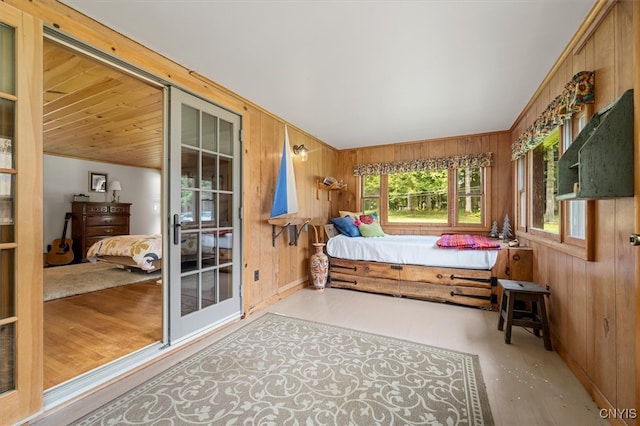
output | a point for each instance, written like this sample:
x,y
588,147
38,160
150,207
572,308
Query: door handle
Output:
x,y
176,229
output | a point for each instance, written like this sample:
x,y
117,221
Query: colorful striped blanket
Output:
x,y
468,242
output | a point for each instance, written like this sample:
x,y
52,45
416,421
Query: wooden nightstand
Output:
x,y
514,263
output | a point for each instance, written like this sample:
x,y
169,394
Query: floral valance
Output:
x,y
577,92
455,162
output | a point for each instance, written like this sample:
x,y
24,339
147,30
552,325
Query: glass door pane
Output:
x,y
8,312
7,59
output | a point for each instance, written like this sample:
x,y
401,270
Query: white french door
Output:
x,y
204,182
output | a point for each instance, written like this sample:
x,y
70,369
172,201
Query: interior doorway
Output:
x,y
99,118
104,117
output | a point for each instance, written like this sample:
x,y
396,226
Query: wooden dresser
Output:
x,y
92,222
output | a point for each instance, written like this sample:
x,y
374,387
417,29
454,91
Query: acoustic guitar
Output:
x,y
61,252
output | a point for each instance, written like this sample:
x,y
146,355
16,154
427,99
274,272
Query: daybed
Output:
x,y
414,266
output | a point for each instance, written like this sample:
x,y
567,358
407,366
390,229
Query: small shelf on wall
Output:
x,y
336,186
599,162
295,225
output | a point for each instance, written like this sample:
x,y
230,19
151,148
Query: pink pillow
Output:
x,y
366,219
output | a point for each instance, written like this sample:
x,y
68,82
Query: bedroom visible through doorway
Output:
x,y
99,119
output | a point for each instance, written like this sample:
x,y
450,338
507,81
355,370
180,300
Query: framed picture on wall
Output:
x,y
97,182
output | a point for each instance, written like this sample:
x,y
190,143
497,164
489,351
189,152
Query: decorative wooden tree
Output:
x,y
506,229
493,232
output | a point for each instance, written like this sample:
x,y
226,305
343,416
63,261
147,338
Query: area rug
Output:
x,y
285,371
71,280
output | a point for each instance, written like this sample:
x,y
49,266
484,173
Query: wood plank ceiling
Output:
x,y
98,113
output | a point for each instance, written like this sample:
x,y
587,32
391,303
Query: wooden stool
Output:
x,y
536,318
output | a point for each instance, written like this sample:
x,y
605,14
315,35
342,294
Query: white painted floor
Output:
x,y
526,384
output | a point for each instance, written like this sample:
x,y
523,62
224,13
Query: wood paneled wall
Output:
x,y
498,143
592,303
281,268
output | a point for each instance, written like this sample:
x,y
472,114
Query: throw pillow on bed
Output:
x,y
367,219
371,230
346,226
352,215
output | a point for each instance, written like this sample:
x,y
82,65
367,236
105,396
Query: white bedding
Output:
x,y
410,250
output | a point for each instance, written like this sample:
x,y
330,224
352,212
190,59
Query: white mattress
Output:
x,y
409,250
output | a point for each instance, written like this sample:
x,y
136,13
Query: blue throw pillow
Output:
x,y
346,226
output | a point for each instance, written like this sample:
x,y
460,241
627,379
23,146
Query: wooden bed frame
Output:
x,y
469,287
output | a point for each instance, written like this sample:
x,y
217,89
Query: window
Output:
x,y
545,209
576,210
522,194
449,197
371,194
564,225
470,198
418,197
565,222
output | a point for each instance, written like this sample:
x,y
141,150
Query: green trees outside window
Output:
x,y
425,197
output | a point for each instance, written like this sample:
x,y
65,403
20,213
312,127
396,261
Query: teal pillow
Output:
x,y
346,226
371,230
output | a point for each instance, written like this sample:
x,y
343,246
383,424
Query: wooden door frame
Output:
x,y
26,400
636,114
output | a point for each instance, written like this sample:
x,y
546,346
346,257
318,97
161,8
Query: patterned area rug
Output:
x,y
285,371
70,280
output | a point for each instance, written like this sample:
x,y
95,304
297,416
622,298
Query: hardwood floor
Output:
x,y
86,331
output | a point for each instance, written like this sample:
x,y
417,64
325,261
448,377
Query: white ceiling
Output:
x,y
362,72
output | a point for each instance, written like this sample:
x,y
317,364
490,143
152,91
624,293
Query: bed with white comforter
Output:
x,y
409,250
415,266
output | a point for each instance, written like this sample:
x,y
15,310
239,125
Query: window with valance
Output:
x,y
446,192
537,150
577,92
